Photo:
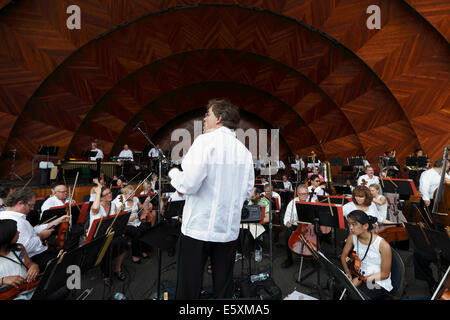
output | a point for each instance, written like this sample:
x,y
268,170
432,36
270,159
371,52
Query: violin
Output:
x,y
13,292
146,212
354,265
364,182
59,241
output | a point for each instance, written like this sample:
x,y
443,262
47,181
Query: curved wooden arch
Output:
x,y
419,80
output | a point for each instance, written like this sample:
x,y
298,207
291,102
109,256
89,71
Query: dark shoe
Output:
x,y
286,264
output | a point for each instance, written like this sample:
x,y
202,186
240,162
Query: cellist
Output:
x,y
290,221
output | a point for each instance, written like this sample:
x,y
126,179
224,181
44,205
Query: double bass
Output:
x,y
441,205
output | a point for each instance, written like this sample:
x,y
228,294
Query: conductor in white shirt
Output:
x,y
217,177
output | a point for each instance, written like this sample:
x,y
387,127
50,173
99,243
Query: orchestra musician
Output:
x,y
99,154
290,221
374,254
430,180
5,191
16,268
299,164
59,197
315,189
315,171
379,200
369,178
19,205
414,174
104,207
126,153
287,184
216,164
135,228
362,200
315,163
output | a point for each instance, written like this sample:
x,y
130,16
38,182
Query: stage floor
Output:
x,y
141,279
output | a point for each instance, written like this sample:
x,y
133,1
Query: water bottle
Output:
x,y
119,296
259,277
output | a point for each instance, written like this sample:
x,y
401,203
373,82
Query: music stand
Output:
x,y
174,208
333,199
337,162
55,274
343,190
330,215
337,275
434,244
403,187
100,226
60,211
88,154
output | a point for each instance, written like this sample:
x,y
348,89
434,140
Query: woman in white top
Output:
x,y
16,268
136,226
103,207
374,254
362,200
379,200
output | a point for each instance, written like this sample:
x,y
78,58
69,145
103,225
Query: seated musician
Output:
x,y
348,183
274,195
287,184
299,164
315,171
19,205
16,268
369,178
379,200
154,152
290,221
136,226
5,191
315,189
103,207
362,200
59,198
374,254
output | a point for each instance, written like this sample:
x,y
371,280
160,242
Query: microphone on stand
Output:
x,y
137,126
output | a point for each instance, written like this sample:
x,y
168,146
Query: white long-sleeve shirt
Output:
x,y
217,177
99,154
317,192
370,181
299,164
126,154
290,215
51,202
28,236
429,182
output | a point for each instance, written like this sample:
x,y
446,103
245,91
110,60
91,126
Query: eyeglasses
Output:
x,y
30,205
65,191
316,180
304,193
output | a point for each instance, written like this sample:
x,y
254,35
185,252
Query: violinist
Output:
x,y
103,207
135,228
290,221
369,178
374,254
379,200
19,205
362,200
16,268
59,198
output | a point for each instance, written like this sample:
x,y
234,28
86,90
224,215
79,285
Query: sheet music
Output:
x,y
255,229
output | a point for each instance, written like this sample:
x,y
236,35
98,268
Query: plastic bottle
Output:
x,y
119,296
259,277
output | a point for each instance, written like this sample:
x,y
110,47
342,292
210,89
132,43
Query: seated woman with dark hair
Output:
x,y
374,253
16,268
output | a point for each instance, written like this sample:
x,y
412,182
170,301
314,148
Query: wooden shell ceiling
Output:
x,y
311,66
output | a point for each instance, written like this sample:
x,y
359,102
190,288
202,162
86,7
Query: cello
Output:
x,y
305,231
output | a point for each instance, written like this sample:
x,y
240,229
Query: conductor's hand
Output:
x,y
288,224
427,202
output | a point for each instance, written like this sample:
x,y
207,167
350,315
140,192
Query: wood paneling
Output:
x,y
57,85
